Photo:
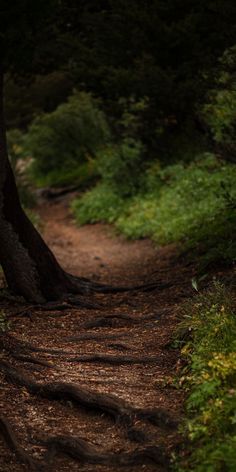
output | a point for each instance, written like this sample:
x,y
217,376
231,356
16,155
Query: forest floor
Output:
x,y
93,389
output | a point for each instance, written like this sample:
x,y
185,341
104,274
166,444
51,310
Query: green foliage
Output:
x,y
82,176
210,380
99,204
120,167
122,163
63,143
220,112
194,204
132,117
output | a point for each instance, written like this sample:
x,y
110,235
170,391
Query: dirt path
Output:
x,y
90,390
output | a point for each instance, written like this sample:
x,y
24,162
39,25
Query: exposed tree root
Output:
x,y
109,404
21,348
14,445
16,346
23,314
81,303
94,337
111,359
137,435
82,286
108,320
89,286
95,357
120,346
83,451
32,360
68,302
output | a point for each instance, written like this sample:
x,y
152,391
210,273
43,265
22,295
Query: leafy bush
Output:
x,y
99,204
210,380
120,167
63,142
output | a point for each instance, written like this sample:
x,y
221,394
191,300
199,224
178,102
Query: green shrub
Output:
x,y
63,142
210,380
120,167
99,204
121,164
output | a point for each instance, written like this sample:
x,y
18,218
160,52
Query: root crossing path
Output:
x,y
93,389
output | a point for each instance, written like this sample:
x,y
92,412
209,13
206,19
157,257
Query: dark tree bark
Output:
x,y
30,268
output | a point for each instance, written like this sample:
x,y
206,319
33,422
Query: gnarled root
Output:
x,y
79,449
88,286
109,404
82,450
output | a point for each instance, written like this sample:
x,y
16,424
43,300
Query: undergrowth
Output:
x,y
99,204
210,381
194,204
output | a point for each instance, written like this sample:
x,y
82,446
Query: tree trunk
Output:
x,y
30,268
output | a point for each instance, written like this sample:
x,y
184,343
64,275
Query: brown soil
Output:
x,y
90,390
